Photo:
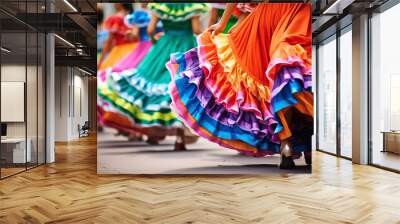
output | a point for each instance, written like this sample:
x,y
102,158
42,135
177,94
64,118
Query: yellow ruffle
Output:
x,y
231,85
239,78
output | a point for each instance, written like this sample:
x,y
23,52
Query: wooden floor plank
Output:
x,y
70,191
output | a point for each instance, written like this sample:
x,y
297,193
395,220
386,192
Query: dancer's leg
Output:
x,y
180,140
301,135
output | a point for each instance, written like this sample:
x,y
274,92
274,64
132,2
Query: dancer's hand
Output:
x,y
132,35
232,29
220,26
217,28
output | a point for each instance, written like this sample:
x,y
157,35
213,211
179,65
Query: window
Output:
x,y
346,93
327,96
385,89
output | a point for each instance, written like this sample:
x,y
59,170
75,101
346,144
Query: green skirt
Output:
x,y
143,92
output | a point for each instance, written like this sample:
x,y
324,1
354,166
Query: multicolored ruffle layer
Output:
x,y
220,100
189,89
143,108
177,11
113,116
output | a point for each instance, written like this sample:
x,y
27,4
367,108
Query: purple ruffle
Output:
x,y
247,121
287,74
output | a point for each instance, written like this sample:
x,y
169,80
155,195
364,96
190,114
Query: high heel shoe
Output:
x,y
180,146
286,156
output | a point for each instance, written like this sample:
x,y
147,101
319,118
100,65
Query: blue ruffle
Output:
x,y
285,99
187,92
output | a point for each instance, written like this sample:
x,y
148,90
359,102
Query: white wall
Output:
x,y
80,111
71,102
61,103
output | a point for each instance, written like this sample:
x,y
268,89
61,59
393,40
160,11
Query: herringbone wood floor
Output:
x,y
69,191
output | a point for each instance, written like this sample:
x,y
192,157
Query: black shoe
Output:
x,y
179,146
152,141
286,162
308,158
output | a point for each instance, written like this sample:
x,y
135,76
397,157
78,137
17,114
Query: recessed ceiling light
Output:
x,y
84,71
5,50
64,40
70,5
337,7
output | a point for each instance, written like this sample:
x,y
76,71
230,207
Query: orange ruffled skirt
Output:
x,y
240,89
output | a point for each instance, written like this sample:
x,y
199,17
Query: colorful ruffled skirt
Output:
x,y
128,61
238,89
116,54
142,93
108,117
111,117
133,58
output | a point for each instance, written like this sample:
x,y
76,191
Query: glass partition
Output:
x,y
22,101
15,150
32,98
